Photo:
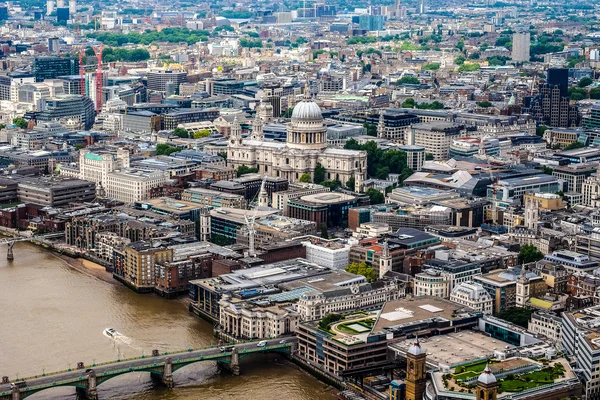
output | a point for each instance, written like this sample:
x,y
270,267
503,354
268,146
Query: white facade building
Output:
x,y
315,305
547,324
328,253
521,45
432,282
133,185
472,295
256,322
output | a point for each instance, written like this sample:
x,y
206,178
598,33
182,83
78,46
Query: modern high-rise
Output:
x,y
521,46
72,7
160,79
53,45
49,7
62,14
552,105
53,67
3,12
69,106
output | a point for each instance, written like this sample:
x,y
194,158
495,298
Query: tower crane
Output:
x,y
250,222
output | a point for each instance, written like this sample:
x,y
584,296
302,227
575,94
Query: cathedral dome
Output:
x,y
307,110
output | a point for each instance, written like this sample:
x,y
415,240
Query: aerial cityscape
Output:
x,y
299,200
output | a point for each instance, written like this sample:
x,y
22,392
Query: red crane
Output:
x,y
81,73
98,52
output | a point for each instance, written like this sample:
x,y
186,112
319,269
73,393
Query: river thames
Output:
x,y
53,316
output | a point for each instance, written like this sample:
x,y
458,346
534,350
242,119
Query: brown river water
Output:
x,y
53,315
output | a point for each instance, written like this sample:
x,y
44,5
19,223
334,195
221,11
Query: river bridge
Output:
x,y
10,241
86,378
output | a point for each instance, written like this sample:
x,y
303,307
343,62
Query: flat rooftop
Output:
x,y
328,198
455,348
405,312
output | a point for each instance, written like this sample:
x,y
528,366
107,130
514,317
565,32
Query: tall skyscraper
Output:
x,y
53,45
559,77
521,45
60,3
72,7
3,12
62,14
552,106
49,7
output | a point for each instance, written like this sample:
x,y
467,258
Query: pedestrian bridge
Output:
x,y
86,378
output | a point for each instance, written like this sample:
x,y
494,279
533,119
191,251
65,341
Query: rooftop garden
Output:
x,y
510,383
531,380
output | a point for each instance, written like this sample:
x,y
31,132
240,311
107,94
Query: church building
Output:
x,y
306,147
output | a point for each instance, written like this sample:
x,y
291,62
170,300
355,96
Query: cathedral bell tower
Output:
x,y
235,135
487,386
416,372
257,129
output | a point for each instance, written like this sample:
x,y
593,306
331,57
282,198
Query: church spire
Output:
x,y
381,125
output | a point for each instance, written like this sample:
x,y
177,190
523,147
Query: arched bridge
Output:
x,y
161,367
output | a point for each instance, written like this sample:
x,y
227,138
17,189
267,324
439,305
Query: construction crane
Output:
x,y
81,73
250,222
98,85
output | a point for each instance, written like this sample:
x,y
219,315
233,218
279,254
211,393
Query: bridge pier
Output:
x,y
9,254
234,365
166,379
91,392
15,394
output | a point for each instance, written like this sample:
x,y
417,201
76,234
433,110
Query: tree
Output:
x,y
319,175
163,149
180,132
484,104
431,67
574,145
375,196
202,134
409,103
460,60
547,170
287,113
595,93
469,67
382,172
329,319
220,240
517,315
351,183
529,254
583,82
371,129
244,169
539,131
577,93
429,156
305,178
362,269
410,80
324,232
20,122
332,185
79,146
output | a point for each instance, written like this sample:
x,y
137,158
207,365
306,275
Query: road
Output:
x,y
117,367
